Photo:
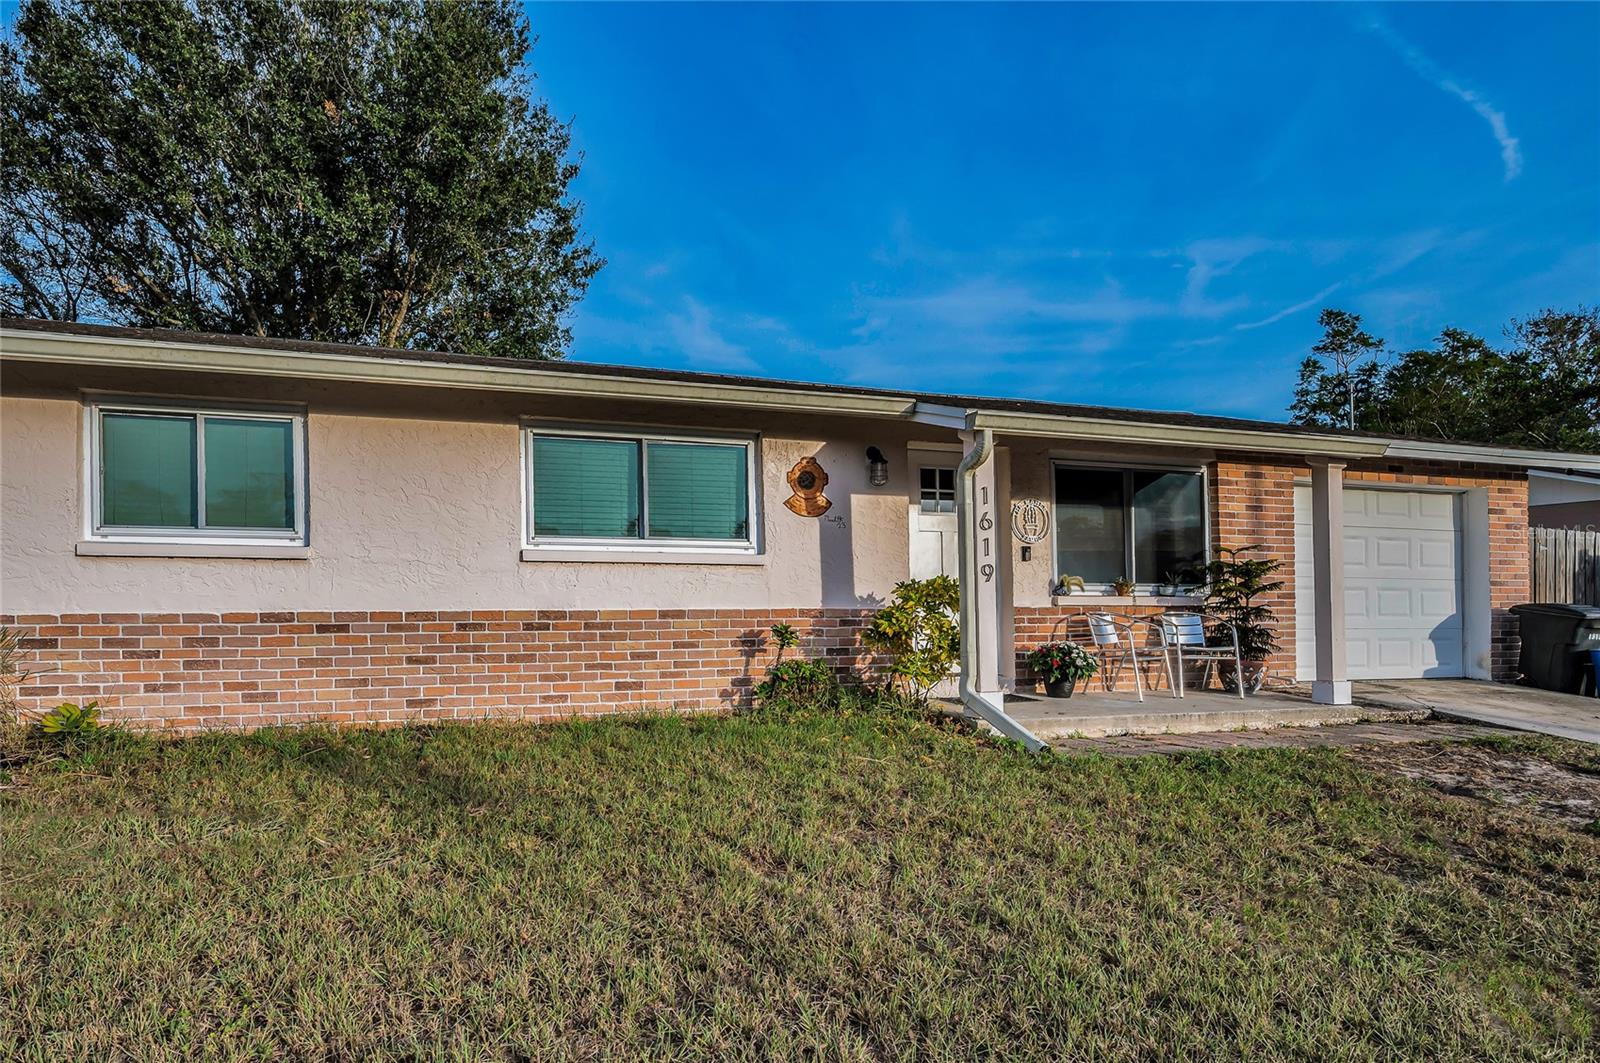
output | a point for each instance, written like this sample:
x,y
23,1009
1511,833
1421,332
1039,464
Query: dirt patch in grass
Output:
x,y
1555,781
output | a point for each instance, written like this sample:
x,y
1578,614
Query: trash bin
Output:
x,y
1557,641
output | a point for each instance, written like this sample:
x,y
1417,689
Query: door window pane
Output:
x,y
697,491
1091,535
585,488
147,471
249,473
1168,525
938,491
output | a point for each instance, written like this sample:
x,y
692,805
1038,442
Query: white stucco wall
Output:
x,y
418,508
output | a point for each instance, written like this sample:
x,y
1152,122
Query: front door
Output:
x,y
933,523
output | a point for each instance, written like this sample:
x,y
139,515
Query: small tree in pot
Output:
x,y
1061,665
1233,587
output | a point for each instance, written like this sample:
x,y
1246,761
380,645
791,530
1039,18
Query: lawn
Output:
x,y
756,888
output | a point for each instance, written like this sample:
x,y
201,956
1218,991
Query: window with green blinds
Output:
x,y
249,473
642,489
585,488
148,470
166,471
698,491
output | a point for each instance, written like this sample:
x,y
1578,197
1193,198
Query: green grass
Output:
x,y
854,889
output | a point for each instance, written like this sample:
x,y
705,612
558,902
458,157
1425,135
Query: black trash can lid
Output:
x,y
1561,609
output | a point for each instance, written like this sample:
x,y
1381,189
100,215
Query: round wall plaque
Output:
x,y
1030,520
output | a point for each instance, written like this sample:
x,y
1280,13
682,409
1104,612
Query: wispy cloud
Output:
x,y
1212,259
697,337
1304,304
1426,68
989,301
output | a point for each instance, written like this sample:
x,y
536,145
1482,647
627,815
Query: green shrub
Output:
x,y
799,681
920,634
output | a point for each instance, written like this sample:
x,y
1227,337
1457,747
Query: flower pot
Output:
x,y
1255,673
1060,688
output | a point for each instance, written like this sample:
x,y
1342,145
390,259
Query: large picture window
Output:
x,y
164,473
619,491
1145,524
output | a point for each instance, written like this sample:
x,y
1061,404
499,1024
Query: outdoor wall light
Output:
x,y
877,467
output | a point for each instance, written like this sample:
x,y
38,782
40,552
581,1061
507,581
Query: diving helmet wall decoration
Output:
x,y
807,480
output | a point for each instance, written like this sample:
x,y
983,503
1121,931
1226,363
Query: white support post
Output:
x,y
983,574
1331,685
988,546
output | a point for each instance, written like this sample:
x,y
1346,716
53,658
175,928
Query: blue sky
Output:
x,y
1137,205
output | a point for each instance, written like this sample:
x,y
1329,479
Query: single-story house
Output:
x,y
223,531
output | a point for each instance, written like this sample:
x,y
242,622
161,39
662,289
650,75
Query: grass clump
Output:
x,y
847,886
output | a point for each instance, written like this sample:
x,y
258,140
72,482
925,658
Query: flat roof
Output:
x,y
446,369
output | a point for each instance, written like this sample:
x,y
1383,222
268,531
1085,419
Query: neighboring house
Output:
x,y
217,531
1564,499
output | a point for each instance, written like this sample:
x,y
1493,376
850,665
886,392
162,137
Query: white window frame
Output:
x,y
1130,467
96,531
641,544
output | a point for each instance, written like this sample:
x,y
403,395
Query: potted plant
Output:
x,y
1170,584
1234,588
1123,586
1061,665
1067,584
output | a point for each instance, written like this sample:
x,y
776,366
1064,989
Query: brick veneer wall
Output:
x,y
1252,502
242,670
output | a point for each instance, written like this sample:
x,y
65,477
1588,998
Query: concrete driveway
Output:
x,y
1524,708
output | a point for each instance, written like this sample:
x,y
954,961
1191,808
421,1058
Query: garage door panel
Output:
x,y
1390,554
1436,557
1438,604
1402,584
1436,508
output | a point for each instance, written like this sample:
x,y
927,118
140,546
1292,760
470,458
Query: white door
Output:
x,y
933,523
1402,584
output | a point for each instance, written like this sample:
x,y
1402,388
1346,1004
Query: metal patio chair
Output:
x,y
1183,638
1115,645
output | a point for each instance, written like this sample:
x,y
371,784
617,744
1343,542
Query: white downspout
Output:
x,y
988,707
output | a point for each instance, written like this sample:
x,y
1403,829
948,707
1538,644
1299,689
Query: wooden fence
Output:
x,y
1566,565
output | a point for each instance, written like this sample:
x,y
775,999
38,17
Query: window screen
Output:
x,y
249,473
1091,532
148,471
585,488
697,491
1169,522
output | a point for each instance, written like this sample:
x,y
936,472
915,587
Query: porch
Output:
x,y
1401,589
1097,713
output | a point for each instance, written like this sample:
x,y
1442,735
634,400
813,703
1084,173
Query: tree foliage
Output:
x,y
1234,589
370,171
1341,374
1541,391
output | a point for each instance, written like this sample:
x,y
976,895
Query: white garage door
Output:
x,y
1402,584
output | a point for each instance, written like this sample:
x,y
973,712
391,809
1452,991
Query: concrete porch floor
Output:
x,y
1096,713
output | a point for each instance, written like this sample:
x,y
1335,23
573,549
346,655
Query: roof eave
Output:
x,y
119,352
1560,460
1160,433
